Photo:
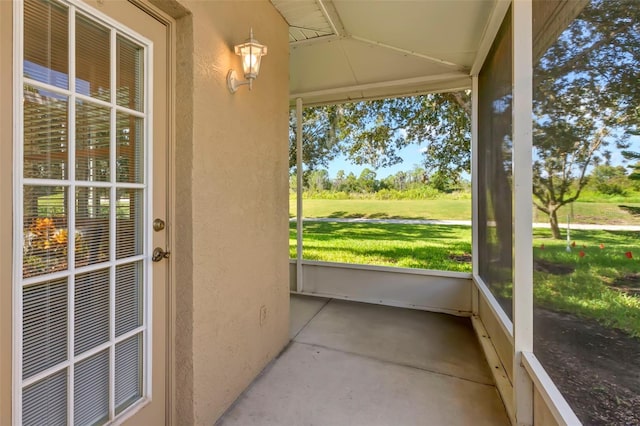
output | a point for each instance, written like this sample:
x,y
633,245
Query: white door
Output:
x,y
91,177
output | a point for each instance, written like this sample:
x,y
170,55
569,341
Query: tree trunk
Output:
x,y
553,221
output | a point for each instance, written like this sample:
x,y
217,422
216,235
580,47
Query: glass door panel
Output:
x,y
85,263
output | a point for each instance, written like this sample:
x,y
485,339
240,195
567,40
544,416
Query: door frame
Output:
x,y
11,94
6,209
170,23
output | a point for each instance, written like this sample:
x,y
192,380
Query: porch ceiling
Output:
x,y
345,50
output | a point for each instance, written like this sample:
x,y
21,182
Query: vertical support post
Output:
x,y
523,213
474,191
299,283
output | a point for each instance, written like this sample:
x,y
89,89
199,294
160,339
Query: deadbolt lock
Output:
x,y
158,225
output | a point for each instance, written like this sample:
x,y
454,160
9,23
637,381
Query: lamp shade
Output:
x,y
251,52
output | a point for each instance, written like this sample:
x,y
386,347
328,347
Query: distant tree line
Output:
x,y
603,180
414,183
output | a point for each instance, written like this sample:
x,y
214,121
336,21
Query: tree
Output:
x,y
318,180
319,140
609,180
293,183
351,183
585,95
339,182
585,99
398,181
371,132
444,182
417,176
367,181
634,155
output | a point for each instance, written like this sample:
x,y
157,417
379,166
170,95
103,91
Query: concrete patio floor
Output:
x,y
359,364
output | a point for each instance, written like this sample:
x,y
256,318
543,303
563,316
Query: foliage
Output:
x,y
610,180
584,100
318,180
371,132
418,193
634,155
367,181
413,184
319,140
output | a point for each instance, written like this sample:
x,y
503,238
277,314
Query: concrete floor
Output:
x,y
359,364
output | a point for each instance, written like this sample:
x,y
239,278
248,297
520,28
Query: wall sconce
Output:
x,y
251,52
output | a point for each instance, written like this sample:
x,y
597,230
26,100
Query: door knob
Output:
x,y
159,254
158,225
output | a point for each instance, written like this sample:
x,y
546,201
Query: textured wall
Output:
x,y
232,206
231,248
183,243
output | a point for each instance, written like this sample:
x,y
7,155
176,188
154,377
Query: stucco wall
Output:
x,y
232,206
231,191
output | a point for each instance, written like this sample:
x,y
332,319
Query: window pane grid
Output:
x,y
29,282
68,364
84,184
46,398
46,52
54,91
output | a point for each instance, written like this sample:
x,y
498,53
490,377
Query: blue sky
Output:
x,y
410,155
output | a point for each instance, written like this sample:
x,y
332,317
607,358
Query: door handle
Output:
x,y
159,254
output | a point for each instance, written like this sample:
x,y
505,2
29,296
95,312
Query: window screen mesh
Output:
x,y
495,217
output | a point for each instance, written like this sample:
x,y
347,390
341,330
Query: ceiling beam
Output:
x,y
331,15
316,40
409,53
491,29
381,85
401,94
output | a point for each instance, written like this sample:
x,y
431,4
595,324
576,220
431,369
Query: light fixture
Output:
x,y
251,52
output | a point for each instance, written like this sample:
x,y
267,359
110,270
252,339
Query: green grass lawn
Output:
x,y
610,213
409,246
596,213
588,291
386,209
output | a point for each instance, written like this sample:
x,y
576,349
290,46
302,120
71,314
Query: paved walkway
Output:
x,y
581,226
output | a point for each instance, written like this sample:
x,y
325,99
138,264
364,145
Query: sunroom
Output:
x,y
176,302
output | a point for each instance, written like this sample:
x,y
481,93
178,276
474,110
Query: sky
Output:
x,y
411,156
